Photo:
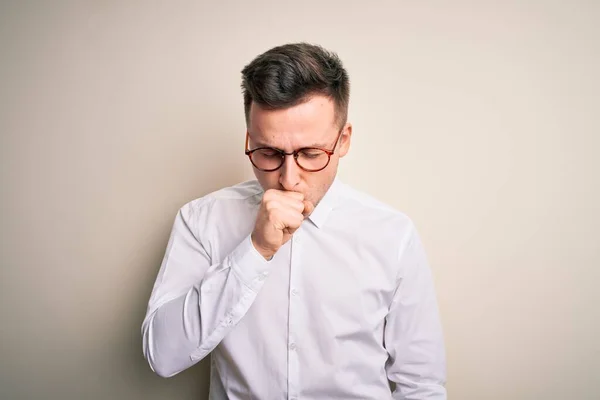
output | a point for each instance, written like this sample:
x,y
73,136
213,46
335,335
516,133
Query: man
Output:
x,y
297,285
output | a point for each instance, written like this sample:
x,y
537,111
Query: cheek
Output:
x,y
268,180
319,182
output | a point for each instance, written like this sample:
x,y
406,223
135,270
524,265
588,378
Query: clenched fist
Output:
x,y
281,213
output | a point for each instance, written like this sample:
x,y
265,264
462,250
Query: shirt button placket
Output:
x,y
294,324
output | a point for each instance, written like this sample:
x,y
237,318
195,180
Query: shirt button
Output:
x,y
294,292
293,346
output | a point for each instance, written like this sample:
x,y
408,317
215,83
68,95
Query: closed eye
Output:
x,y
269,153
312,153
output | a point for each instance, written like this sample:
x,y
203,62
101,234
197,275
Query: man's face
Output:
x,y
310,124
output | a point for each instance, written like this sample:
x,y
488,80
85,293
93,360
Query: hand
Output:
x,y
281,213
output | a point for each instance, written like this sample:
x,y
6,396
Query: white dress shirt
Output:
x,y
346,305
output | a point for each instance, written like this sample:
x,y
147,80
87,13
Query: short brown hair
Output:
x,y
287,75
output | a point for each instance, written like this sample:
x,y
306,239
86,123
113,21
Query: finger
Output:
x,y
293,195
308,208
291,219
291,231
297,206
276,194
290,202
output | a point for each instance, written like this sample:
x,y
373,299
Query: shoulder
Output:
x,y
232,197
366,207
377,228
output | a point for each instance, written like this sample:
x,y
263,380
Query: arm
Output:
x,y
195,303
413,333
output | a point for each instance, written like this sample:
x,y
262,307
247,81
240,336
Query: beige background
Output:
x,y
480,120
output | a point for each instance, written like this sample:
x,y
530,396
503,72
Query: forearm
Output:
x,y
172,334
183,330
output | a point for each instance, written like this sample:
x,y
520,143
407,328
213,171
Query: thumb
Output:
x,y
290,231
308,208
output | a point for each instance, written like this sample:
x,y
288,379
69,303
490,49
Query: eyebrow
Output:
x,y
260,144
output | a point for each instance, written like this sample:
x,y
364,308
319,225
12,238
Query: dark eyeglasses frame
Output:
x,y
295,153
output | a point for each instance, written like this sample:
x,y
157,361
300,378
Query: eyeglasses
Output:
x,y
310,159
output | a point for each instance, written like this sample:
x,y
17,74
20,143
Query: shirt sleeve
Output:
x,y
194,302
413,333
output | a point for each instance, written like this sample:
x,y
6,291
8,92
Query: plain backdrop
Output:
x,y
480,120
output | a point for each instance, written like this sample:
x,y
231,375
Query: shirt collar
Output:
x,y
326,205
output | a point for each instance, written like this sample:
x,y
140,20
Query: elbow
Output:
x,y
167,344
167,354
164,370
159,362
168,365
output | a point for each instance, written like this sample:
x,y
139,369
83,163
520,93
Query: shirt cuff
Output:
x,y
248,264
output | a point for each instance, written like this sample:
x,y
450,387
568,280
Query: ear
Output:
x,y
345,139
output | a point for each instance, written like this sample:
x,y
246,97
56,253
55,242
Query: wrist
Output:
x,y
266,253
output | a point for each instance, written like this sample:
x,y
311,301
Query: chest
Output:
x,y
336,282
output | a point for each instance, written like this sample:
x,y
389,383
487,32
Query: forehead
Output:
x,y
306,124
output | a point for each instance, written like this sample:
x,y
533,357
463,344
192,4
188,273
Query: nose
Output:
x,y
289,175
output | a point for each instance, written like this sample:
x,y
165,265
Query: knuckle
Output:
x,y
270,206
273,217
270,193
